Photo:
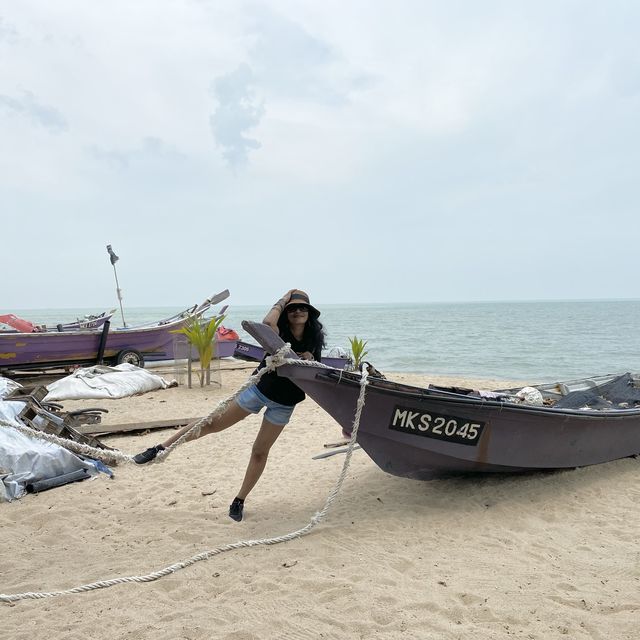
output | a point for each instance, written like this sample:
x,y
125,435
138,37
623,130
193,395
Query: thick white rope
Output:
x,y
116,457
277,360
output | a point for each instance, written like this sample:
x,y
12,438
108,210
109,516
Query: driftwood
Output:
x,y
102,429
333,445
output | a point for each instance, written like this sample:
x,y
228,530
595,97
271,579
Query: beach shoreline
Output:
x,y
550,555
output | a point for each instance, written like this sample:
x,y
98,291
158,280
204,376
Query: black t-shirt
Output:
x,y
281,389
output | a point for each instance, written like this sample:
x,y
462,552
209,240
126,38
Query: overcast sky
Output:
x,y
364,151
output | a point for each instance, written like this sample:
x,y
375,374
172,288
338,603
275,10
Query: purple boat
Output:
x,y
422,433
46,350
249,351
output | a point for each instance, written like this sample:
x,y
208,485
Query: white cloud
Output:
x,y
28,106
369,124
237,113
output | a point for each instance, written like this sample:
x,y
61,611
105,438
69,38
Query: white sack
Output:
x,y
24,459
8,386
101,382
530,395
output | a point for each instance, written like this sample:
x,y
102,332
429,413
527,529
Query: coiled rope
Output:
x,y
272,363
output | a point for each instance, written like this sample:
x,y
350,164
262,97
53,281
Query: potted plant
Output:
x,y
201,335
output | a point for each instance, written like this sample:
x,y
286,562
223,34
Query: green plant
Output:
x,y
201,335
358,351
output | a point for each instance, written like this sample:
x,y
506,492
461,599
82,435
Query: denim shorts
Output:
x,y
252,400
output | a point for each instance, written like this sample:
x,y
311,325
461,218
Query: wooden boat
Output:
x,y
249,351
25,326
148,342
422,433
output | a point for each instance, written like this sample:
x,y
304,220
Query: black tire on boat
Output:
x,y
130,356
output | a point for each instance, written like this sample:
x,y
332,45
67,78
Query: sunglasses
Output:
x,y
297,307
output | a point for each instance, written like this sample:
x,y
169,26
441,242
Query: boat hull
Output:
x,y
396,435
33,350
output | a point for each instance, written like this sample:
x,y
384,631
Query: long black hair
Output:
x,y
314,334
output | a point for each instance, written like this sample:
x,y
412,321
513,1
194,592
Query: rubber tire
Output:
x,y
131,356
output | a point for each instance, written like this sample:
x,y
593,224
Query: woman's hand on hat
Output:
x,y
282,303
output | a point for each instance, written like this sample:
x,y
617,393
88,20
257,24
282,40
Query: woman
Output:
x,y
296,321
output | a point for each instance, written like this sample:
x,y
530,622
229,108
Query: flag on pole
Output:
x,y
112,256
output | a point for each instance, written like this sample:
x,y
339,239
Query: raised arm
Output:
x,y
273,314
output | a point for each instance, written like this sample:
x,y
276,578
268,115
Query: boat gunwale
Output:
x,y
420,393
84,332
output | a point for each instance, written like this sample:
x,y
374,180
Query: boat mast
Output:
x,y
114,258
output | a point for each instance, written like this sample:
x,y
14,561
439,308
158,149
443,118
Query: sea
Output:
x,y
533,341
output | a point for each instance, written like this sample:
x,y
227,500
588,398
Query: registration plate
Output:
x,y
436,425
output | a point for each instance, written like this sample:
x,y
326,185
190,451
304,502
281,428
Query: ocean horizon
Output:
x,y
528,340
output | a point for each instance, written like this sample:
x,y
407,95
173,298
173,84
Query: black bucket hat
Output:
x,y
300,297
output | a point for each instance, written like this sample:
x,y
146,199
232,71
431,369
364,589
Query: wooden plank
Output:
x,y
95,429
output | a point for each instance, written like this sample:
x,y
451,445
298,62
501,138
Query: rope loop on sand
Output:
x,y
275,361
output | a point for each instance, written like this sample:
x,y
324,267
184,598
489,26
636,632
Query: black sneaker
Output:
x,y
235,509
148,455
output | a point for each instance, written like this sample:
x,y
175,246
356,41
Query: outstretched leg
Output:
x,y
233,413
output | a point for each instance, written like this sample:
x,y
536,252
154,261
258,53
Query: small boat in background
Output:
x,y
423,433
26,326
249,351
63,349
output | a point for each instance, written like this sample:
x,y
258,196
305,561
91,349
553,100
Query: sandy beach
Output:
x,y
537,556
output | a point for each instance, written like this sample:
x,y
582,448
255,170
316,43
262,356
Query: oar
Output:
x,y
267,338
219,297
212,301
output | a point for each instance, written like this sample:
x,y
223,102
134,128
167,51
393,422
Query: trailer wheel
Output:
x,y
130,356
